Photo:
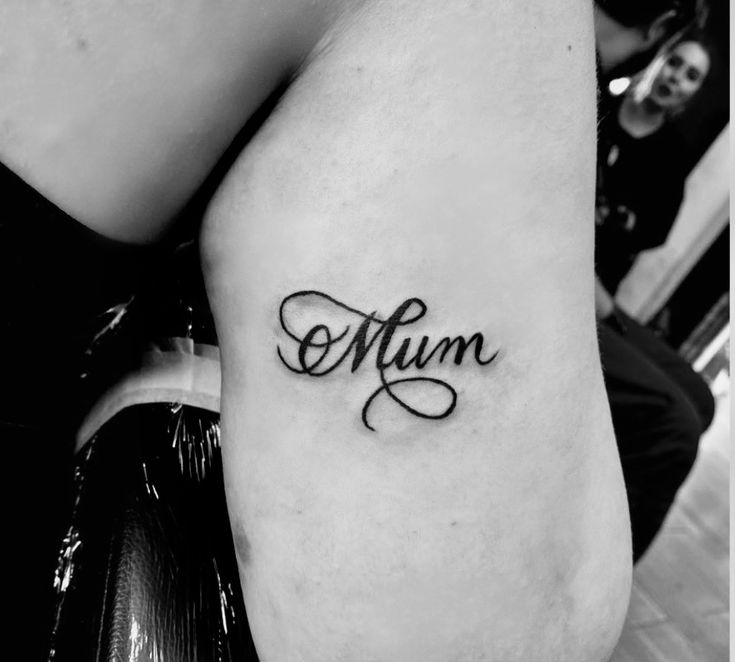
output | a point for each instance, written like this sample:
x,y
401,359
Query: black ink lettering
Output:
x,y
308,342
386,386
445,344
394,321
319,343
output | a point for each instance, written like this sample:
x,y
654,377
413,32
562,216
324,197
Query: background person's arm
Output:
x,y
442,152
604,302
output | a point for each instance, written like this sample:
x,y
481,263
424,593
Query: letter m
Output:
x,y
445,345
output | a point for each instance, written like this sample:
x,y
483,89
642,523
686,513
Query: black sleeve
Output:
x,y
657,212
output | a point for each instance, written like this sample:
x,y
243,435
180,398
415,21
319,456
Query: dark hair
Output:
x,y
633,13
698,36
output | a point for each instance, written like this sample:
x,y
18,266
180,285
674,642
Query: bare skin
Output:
x,y
118,111
443,155
424,151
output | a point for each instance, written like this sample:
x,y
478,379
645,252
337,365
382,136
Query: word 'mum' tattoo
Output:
x,y
345,335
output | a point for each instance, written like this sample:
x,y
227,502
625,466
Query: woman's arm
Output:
x,y
418,451
117,111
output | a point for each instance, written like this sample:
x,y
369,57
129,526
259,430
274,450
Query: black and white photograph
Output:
x,y
366,330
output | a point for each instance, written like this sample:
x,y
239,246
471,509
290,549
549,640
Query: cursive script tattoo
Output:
x,y
325,346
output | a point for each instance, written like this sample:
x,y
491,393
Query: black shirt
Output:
x,y
640,187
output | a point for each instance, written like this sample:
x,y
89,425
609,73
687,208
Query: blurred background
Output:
x,y
663,240
662,258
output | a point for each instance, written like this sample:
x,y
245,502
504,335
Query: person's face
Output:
x,y
681,75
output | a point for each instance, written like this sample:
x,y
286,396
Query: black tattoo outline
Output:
x,y
361,345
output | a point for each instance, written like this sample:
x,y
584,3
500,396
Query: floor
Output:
x,y
679,610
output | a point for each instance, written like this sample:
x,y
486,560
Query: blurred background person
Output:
x,y
660,406
642,163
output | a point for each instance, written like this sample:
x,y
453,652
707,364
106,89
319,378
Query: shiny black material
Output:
x,y
148,569
61,285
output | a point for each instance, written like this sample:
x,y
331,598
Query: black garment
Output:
x,y
60,285
77,310
660,407
149,557
645,176
150,560
57,280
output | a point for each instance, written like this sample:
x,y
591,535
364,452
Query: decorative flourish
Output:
x,y
325,346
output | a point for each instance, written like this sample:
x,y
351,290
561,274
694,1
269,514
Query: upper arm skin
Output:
x,y
443,151
117,111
